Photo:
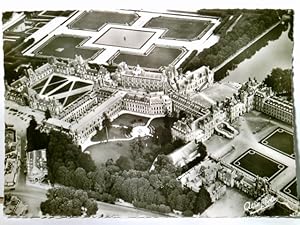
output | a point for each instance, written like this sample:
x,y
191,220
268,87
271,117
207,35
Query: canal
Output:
x,y
273,50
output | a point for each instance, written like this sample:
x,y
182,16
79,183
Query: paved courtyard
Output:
x,y
253,127
230,205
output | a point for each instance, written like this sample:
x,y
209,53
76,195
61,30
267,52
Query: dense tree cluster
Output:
x,y
247,28
35,139
65,201
66,163
6,16
280,81
157,190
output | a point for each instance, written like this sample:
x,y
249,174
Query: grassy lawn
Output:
x,y
129,120
257,164
178,28
66,46
113,133
157,122
280,141
100,153
93,20
158,57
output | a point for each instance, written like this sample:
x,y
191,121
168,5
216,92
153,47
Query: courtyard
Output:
x,y
280,140
64,88
125,38
158,57
179,28
94,20
67,46
252,163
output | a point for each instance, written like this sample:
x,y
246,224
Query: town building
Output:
x,y
12,157
36,165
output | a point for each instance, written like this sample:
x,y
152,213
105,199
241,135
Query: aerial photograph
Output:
x,y
128,113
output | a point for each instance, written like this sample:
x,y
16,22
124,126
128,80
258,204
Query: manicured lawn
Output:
x,y
93,20
66,46
72,98
113,133
291,189
80,84
281,141
158,57
129,120
100,153
255,163
157,122
178,28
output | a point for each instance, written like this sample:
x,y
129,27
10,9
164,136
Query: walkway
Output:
x,y
244,48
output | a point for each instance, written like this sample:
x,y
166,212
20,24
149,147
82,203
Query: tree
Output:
x,y
65,201
125,163
201,149
106,124
47,114
280,81
188,213
137,148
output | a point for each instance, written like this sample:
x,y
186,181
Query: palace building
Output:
x,y
138,78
